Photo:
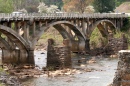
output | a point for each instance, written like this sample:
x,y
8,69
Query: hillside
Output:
x,y
125,7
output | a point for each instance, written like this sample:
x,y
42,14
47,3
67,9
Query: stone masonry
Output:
x,y
113,46
116,44
58,56
122,75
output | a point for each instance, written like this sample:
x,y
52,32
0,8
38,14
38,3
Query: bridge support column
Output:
x,y
34,28
87,47
11,56
6,56
58,57
84,27
31,56
26,31
122,75
118,25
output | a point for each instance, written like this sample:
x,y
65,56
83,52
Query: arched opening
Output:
x,y
59,31
60,26
55,32
51,33
16,51
99,35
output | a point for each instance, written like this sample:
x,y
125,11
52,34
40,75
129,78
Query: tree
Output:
x,y
104,5
118,2
52,9
76,6
29,5
58,3
6,6
45,9
42,7
89,9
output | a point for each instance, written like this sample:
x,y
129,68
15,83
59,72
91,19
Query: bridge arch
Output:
x,y
104,30
17,39
64,33
19,53
4,44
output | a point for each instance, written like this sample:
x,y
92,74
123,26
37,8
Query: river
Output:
x,y
102,74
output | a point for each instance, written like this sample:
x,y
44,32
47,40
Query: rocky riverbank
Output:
x,y
8,80
22,73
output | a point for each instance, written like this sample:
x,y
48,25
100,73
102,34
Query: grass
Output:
x,y
50,33
96,39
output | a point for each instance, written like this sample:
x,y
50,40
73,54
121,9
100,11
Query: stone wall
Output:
x,y
122,75
116,44
113,46
58,57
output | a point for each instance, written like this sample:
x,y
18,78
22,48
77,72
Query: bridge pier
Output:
x,y
122,74
84,26
17,56
31,56
6,56
87,45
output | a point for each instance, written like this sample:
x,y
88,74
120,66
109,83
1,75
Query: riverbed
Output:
x,y
102,74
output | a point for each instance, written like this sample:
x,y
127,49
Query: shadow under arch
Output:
x,y
108,22
63,32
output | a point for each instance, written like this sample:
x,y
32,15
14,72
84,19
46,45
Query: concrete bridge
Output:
x,y
20,33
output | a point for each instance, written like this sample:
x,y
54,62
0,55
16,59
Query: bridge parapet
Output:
x,y
4,16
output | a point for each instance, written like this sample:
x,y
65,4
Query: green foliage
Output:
x,y
118,34
126,24
96,39
6,6
51,33
104,5
1,84
1,69
118,2
127,35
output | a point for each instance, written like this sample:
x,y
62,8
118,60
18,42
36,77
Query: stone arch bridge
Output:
x,y
19,34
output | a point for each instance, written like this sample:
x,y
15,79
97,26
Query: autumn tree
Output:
x,y
76,5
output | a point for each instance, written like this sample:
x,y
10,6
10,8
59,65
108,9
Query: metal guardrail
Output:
x,y
63,15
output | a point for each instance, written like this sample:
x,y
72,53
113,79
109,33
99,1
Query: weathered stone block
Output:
x,y
122,75
58,56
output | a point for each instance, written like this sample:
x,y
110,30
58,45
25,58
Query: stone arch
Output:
x,y
93,26
14,37
4,44
21,54
63,32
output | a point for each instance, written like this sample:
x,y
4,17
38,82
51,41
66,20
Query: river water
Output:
x,y
102,74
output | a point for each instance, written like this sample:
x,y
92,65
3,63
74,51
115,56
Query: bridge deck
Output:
x,y
4,16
